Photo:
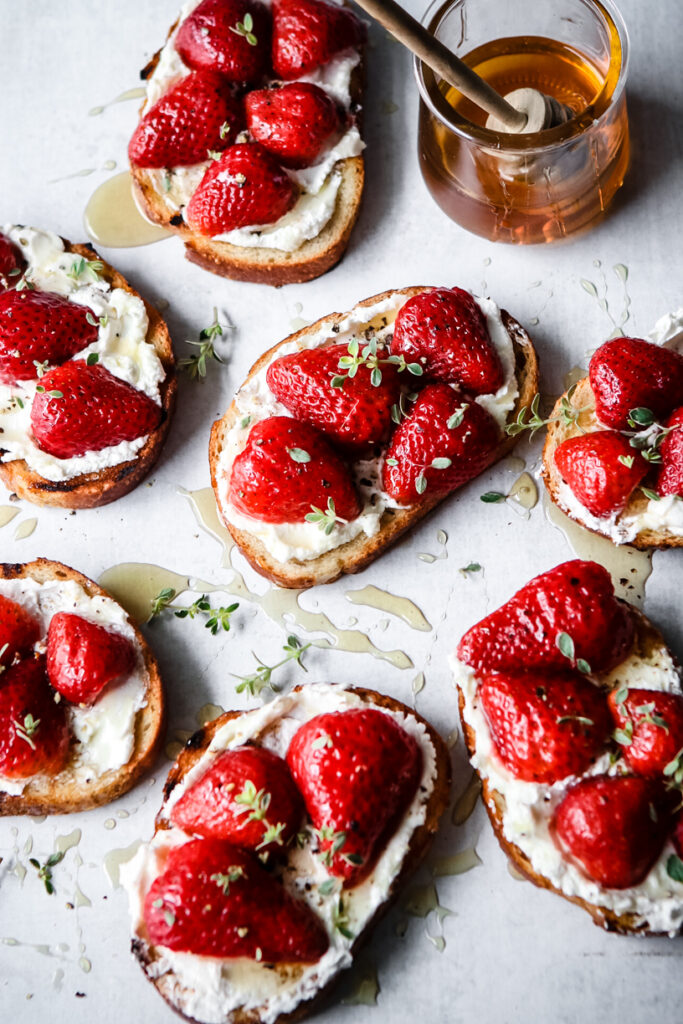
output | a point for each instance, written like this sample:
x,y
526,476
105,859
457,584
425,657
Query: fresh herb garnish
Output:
x,y
244,28
340,920
674,770
565,645
258,680
401,409
257,803
581,719
492,497
41,367
640,417
322,741
624,736
219,618
161,601
196,365
224,129
472,567
50,394
92,358
82,266
26,729
626,460
652,495
529,417
223,879
325,520
101,321
674,868
298,455
45,870
456,419
369,356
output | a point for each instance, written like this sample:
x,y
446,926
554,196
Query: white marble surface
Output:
x,y
512,952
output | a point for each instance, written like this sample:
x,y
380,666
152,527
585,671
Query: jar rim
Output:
x,y
538,141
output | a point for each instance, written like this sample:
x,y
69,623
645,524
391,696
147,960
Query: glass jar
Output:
x,y
543,186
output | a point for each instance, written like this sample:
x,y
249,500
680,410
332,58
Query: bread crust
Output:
x,y
647,639
418,847
583,398
91,490
358,553
60,794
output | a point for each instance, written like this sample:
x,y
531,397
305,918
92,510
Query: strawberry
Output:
x,y
575,598
445,440
356,413
545,726
286,470
601,469
82,657
650,728
246,797
197,115
670,478
293,123
34,730
11,262
244,187
445,331
85,408
357,770
230,36
614,826
18,631
214,899
628,373
40,327
308,33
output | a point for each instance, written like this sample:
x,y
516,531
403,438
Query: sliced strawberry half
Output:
x,y
650,728
83,657
601,469
18,631
230,36
308,33
34,730
293,123
287,470
629,373
85,408
214,899
246,797
546,725
40,327
446,440
574,601
670,478
358,770
244,188
12,263
197,115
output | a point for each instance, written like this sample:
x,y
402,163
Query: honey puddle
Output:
x,y
365,989
138,93
113,219
402,607
457,863
115,859
524,492
467,801
7,514
442,540
25,529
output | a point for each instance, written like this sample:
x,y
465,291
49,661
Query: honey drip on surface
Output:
x,y
115,859
25,529
7,514
365,990
402,607
467,801
138,93
524,491
113,219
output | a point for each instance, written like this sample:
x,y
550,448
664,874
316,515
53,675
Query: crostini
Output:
x,y
248,145
87,375
348,432
613,456
284,834
572,709
81,699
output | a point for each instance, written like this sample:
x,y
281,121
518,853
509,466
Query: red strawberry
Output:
x,y
82,657
358,770
651,728
576,598
615,827
357,413
545,726
230,36
293,122
40,327
11,261
670,479
197,115
308,33
18,631
246,797
34,730
628,373
216,900
286,469
445,330
85,408
245,187
444,441
601,469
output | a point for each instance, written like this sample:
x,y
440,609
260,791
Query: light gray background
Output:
x,y
512,952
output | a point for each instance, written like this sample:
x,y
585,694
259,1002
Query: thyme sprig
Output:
x,y
245,28
565,645
529,417
196,365
257,802
253,684
45,870
327,519
25,730
82,266
218,618
370,356
223,879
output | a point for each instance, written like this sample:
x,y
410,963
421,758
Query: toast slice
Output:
x,y
263,265
650,656
558,431
433,794
70,790
90,490
358,553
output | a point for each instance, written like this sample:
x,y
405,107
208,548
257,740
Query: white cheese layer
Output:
x,y
207,989
121,347
529,807
255,402
105,732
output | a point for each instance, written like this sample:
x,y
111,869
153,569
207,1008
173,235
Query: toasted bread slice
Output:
x,y
355,555
90,490
172,987
64,793
558,431
262,265
649,650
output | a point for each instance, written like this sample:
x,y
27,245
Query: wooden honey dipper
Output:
x,y
520,112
